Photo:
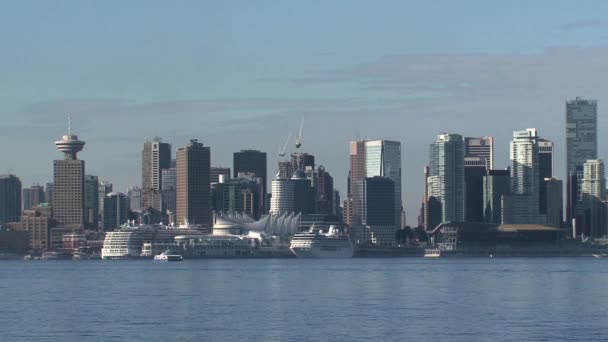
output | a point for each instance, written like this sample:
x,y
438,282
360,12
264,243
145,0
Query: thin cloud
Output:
x,y
585,24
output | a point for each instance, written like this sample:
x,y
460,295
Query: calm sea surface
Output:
x,y
305,300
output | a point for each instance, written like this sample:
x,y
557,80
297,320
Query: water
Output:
x,y
305,300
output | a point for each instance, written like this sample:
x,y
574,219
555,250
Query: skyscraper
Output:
x,y
215,173
383,159
285,169
496,184
91,201
594,194
32,196
156,156
581,145
324,192
554,202
282,200
134,193
446,170
545,170
10,198
475,167
523,203
300,161
48,193
193,200
105,188
115,210
242,194
378,203
168,191
480,147
68,191
253,162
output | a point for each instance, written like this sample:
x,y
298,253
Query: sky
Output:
x,y
242,74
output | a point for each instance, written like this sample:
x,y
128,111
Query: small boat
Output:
x,y
54,255
599,255
432,253
168,256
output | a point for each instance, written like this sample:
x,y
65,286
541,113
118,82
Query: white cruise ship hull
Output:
x,y
317,252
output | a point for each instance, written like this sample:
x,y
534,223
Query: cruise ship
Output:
x,y
127,242
316,244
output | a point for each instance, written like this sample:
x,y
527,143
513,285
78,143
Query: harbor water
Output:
x,y
367,299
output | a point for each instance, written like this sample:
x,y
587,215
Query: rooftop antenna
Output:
x,y
69,124
299,136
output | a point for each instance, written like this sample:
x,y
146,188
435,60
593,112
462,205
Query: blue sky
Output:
x,y
238,74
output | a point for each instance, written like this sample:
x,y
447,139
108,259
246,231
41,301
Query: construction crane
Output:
x,y
299,136
284,147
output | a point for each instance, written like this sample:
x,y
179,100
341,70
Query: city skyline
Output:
x,y
403,84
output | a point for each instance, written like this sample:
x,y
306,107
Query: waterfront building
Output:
x,y
522,206
554,202
10,198
480,147
68,184
91,202
115,210
447,169
593,190
193,192
37,222
156,156
32,196
581,145
496,184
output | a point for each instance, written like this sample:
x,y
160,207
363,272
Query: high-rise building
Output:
x,y
581,145
32,196
48,193
475,167
282,200
554,202
115,210
446,173
300,161
156,156
594,194
383,159
134,193
545,170
480,147
303,193
522,206
355,183
168,190
104,188
193,200
68,184
216,172
324,188
496,184
91,201
241,195
285,169
10,198
252,162
378,202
